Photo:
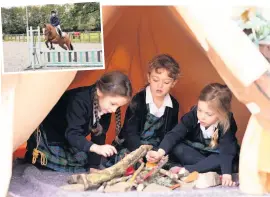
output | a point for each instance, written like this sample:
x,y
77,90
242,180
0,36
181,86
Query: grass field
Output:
x,y
92,37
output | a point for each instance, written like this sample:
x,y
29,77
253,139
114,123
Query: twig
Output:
x,y
136,173
117,180
102,187
169,174
152,172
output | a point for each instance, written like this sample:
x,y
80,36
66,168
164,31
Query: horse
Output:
x,y
51,35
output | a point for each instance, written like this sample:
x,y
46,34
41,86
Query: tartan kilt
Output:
x,y
60,156
202,148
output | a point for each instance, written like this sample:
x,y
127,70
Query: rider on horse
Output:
x,y
54,20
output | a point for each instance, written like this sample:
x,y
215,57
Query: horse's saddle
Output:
x,y
63,33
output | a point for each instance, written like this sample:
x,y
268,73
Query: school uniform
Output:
x,y
64,130
145,123
189,143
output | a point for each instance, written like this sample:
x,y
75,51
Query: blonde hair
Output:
x,y
219,97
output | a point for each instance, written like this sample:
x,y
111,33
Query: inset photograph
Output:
x,y
51,37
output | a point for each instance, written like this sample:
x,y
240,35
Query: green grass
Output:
x,y
93,37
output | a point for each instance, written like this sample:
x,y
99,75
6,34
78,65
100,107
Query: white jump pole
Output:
x,y
39,47
32,47
28,44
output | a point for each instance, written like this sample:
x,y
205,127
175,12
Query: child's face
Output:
x,y
205,114
160,82
109,104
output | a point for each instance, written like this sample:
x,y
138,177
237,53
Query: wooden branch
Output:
x,y
117,180
116,170
137,172
152,172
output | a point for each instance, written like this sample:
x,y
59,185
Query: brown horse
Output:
x,y
52,36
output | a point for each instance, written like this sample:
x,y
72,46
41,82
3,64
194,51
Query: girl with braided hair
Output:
x,y
60,141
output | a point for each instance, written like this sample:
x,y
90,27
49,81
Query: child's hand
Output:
x,y
227,180
155,156
104,150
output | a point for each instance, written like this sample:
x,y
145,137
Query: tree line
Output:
x,y
73,17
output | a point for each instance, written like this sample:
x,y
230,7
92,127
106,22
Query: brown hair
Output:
x,y
219,98
114,83
167,62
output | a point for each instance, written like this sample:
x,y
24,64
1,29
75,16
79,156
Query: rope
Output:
x,y
36,152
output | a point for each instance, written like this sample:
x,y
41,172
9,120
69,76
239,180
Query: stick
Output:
x,y
137,172
117,180
102,187
169,174
152,172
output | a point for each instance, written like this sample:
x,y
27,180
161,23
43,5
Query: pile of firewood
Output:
x,y
119,178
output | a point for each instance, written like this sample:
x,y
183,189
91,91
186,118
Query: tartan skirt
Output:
x,y
147,136
60,157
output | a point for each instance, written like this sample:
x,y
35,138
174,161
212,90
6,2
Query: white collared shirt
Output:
x,y
207,133
158,112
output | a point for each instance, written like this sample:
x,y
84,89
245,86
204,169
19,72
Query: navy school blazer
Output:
x,y
189,128
68,122
135,119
